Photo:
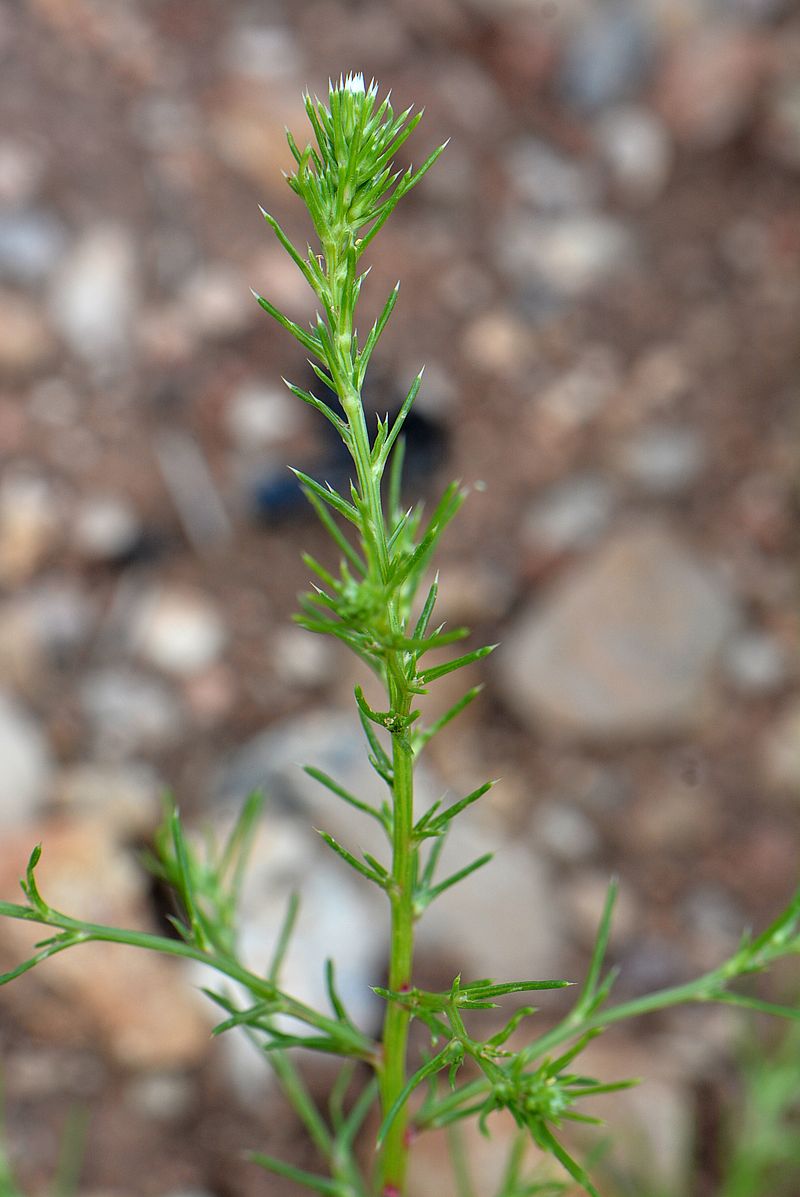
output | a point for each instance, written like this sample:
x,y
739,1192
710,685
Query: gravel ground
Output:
x,y
602,277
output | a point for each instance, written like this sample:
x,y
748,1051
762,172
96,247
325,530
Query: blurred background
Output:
x,y
602,276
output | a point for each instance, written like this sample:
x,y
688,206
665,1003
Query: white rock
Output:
x,y
129,712
565,832
94,296
259,416
570,254
571,515
756,663
663,459
25,765
636,146
548,180
179,632
105,528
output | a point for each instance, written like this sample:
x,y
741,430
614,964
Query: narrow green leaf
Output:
x,y
353,861
459,876
328,495
329,783
589,992
323,408
431,675
317,1184
284,938
306,340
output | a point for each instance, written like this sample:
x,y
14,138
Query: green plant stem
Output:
x,y
396,1022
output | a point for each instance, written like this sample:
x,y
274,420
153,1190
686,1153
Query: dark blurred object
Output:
x,y
278,495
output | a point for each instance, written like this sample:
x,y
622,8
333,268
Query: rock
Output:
x,y
708,86
161,1097
94,296
26,344
259,416
129,712
624,647
780,135
781,753
31,242
219,300
105,528
570,515
61,617
21,169
301,658
570,255
497,342
178,631
664,460
635,145
498,938
126,798
138,1004
756,664
675,818
607,57
263,52
575,397
25,765
548,180
29,524
565,832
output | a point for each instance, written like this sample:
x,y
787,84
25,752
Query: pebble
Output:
x,y
259,416
548,180
570,255
565,832
26,767
31,242
664,460
21,169
570,515
263,52
465,932
127,798
129,712
624,646
607,57
219,300
781,752
29,523
635,145
178,631
780,135
575,397
105,528
61,617
755,663
160,1096
303,659
708,85
26,343
94,296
